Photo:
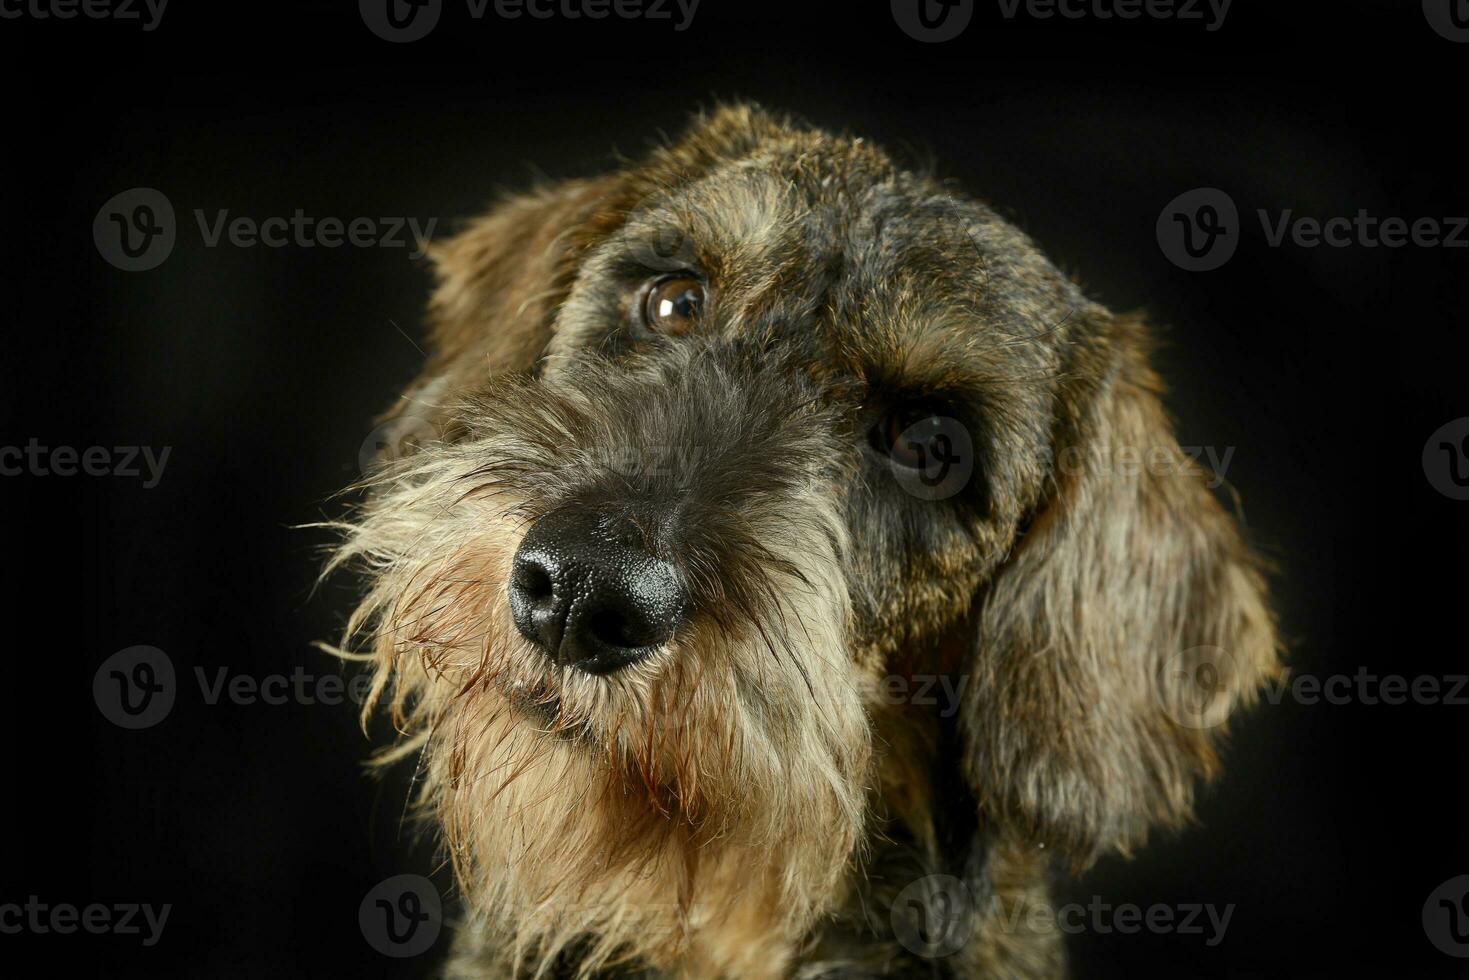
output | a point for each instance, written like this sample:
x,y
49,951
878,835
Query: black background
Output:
x,y
1326,369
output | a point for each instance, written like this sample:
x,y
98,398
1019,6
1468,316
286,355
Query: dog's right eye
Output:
x,y
913,435
672,304
928,449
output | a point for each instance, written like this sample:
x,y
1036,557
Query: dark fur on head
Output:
x,y
747,802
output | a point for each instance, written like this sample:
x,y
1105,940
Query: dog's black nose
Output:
x,y
584,589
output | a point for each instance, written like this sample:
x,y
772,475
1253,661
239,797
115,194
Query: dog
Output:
x,y
731,452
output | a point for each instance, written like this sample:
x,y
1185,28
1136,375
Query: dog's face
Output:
x,y
726,440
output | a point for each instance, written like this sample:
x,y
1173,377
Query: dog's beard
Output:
x,y
715,789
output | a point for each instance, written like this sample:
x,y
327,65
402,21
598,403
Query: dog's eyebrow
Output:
x,y
962,354
920,363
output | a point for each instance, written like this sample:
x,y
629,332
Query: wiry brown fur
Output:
x,y
745,803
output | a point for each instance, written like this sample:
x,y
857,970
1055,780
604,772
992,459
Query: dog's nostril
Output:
x,y
533,581
611,628
630,609
539,613
623,628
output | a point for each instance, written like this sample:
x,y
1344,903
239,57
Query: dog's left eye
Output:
x,y
914,436
673,304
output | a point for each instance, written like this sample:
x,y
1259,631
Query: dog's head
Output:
x,y
726,439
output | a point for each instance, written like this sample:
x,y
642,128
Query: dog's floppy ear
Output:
x,y
499,282
1127,623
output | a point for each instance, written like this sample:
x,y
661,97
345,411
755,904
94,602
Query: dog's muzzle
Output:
x,y
585,590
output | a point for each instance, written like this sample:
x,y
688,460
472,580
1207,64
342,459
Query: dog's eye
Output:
x,y
915,436
673,305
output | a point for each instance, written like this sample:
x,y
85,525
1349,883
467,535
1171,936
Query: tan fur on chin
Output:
x,y
714,789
